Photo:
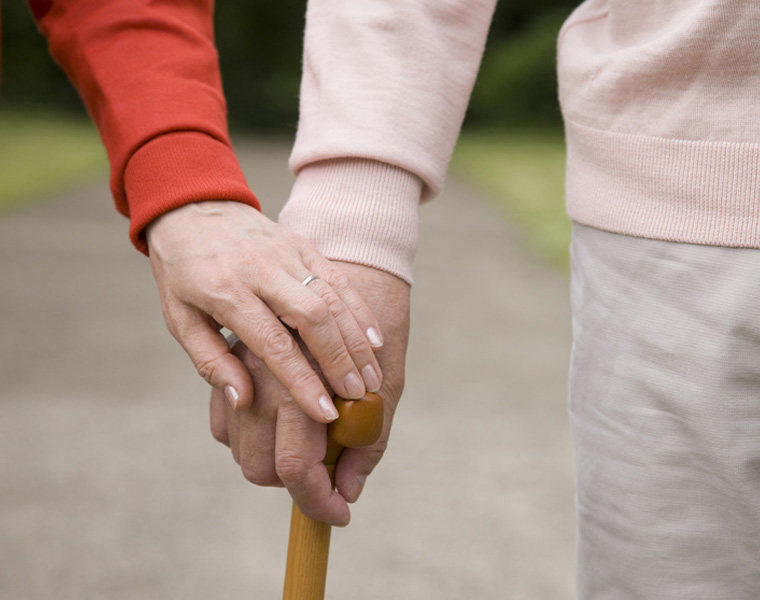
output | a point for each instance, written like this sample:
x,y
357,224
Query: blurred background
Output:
x,y
260,48
111,487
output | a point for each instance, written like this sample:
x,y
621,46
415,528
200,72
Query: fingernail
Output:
x,y
371,378
374,337
356,487
328,408
232,396
354,386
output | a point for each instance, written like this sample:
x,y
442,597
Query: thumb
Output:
x,y
354,466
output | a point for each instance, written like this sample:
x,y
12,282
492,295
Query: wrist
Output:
x,y
359,211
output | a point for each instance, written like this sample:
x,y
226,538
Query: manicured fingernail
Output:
x,y
374,337
354,386
328,408
232,396
371,379
356,487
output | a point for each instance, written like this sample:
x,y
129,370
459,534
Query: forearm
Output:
x,y
389,80
148,73
383,96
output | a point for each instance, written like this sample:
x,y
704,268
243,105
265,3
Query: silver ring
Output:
x,y
308,280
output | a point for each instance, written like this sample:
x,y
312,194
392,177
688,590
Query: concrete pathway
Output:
x,y
112,488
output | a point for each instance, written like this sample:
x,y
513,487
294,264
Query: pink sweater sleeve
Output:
x,y
384,91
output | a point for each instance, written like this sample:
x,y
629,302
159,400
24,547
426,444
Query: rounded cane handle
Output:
x,y
359,424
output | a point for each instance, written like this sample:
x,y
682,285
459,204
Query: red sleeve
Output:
x,y
148,73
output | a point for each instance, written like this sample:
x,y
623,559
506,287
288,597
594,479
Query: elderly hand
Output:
x,y
275,443
224,264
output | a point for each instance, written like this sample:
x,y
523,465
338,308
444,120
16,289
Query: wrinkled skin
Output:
x,y
223,263
277,444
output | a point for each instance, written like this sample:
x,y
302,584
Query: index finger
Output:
x,y
267,338
300,445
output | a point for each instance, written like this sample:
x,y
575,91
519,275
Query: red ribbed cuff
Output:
x,y
176,169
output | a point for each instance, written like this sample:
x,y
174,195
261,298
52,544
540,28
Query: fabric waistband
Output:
x,y
677,190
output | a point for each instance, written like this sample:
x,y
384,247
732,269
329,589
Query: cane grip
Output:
x,y
359,424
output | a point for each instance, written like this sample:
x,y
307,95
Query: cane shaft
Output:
x,y
308,550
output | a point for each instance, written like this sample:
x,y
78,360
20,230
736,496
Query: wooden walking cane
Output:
x,y
359,424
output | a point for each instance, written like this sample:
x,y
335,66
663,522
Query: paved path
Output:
x,y
112,488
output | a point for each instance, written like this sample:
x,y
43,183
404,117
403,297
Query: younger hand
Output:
x,y
223,263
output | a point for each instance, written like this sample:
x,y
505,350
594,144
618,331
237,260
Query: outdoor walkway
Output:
x,y
111,487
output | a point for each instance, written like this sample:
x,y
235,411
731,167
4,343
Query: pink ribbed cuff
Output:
x,y
689,191
360,211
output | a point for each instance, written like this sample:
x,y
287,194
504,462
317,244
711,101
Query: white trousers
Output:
x,y
665,412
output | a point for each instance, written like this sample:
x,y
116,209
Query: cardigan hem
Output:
x,y
689,191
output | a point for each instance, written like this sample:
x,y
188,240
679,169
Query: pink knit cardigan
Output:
x,y
659,99
661,102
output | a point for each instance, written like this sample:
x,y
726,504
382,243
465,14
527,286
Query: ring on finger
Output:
x,y
308,280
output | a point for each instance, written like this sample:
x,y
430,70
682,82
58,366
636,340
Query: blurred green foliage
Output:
x,y
517,82
30,79
524,173
260,44
37,157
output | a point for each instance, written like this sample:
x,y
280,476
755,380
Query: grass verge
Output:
x,y
524,173
42,152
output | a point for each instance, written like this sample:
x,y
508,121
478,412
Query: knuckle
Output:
x,y
314,311
222,279
221,304
278,342
375,455
253,259
336,357
333,302
302,380
219,432
394,381
293,239
312,511
291,469
338,280
207,367
257,475
175,319
357,345
218,290
172,325
221,292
